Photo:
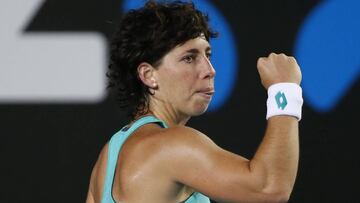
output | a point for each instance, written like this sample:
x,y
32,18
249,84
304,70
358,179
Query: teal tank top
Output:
x,y
114,148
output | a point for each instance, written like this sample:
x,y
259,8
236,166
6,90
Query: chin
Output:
x,y
200,110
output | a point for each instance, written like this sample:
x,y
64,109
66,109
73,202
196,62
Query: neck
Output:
x,y
167,113
171,120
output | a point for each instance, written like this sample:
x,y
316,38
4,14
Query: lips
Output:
x,y
207,92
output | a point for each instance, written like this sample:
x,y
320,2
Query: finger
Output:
x,y
261,61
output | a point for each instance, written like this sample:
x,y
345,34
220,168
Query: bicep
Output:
x,y
218,173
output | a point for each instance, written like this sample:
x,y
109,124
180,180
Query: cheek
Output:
x,y
177,83
187,83
180,82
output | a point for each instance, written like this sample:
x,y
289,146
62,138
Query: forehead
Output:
x,y
199,43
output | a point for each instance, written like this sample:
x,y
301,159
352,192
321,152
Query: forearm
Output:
x,y
276,159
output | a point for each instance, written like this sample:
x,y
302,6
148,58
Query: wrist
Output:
x,y
284,99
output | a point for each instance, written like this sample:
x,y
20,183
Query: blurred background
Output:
x,y
56,114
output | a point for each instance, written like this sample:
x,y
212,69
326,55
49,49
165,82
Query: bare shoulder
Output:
x,y
152,139
180,141
164,149
194,152
185,139
184,135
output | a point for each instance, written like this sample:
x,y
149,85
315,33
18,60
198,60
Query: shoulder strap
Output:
x,y
114,148
197,198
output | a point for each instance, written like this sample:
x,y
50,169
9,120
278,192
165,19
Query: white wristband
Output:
x,y
284,99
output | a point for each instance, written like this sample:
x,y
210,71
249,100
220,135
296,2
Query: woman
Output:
x,y
161,70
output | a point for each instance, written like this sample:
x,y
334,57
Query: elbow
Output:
x,y
277,191
277,196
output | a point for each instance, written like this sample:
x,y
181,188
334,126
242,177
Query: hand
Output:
x,y
277,68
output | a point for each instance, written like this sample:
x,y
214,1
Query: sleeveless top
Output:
x,y
114,148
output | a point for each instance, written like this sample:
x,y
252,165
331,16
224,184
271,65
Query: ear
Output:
x,y
146,74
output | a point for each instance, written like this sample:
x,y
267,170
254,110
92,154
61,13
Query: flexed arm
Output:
x,y
278,155
270,175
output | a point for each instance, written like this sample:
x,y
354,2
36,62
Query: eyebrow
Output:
x,y
196,51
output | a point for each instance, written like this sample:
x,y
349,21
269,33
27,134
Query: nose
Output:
x,y
208,69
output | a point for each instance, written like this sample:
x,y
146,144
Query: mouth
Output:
x,y
206,93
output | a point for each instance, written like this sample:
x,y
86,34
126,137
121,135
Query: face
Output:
x,y
186,78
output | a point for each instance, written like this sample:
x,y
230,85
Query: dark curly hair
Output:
x,y
147,35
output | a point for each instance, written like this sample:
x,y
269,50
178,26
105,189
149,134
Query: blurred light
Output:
x,y
327,50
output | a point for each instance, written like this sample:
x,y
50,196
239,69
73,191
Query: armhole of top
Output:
x,y
115,145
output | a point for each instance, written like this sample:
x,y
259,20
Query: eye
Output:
x,y
189,58
208,55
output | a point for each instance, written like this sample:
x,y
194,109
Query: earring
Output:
x,y
152,91
153,88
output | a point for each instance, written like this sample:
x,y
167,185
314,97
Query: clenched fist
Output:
x,y
277,68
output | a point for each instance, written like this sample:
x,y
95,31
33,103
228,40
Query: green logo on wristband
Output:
x,y
281,100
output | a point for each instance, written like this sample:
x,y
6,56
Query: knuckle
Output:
x,y
261,60
292,59
283,55
272,54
